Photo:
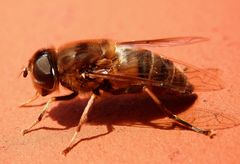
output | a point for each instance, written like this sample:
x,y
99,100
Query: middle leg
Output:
x,y
83,119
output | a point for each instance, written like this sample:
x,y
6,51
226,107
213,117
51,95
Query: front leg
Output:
x,y
58,98
25,104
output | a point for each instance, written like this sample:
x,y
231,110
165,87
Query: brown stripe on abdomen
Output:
x,y
144,63
162,69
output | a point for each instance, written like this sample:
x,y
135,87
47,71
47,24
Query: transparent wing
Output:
x,y
125,78
165,42
203,80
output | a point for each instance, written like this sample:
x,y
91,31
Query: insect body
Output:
x,y
117,68
101,65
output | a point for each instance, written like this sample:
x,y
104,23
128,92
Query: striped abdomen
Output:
x,y
143,63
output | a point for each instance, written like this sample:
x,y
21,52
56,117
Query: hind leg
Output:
x,y
175,117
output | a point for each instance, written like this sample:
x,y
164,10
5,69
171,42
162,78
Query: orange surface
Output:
x,y
27,26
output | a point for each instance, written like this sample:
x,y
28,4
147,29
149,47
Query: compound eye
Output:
x,y
43,70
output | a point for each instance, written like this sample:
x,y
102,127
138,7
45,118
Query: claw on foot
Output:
x,y
66,151
25,131
211,133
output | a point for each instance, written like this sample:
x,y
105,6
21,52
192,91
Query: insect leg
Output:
x,y
30,100
83,119
175,117
58,98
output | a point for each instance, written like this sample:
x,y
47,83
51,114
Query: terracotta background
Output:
x,y
27,26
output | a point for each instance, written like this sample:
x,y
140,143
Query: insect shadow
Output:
x,y
124,110
137,111
119,110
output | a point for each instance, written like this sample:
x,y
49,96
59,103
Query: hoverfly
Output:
x,y
116,68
